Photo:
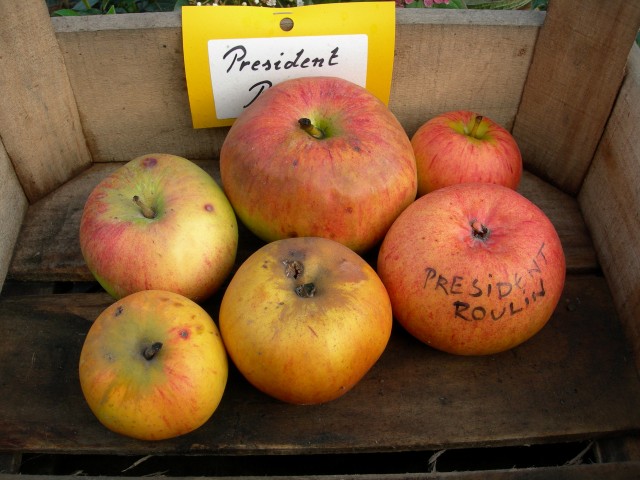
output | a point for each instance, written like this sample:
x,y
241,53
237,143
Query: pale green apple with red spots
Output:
x,y
304,319
153,366
463,146
159,222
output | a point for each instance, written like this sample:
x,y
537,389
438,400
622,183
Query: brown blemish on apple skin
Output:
x,y
208,207
184,333
119,311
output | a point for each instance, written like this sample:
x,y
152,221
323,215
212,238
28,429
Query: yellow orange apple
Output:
x,y
304,319
153,366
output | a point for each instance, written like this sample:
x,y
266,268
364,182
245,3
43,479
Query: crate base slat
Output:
x,y
48,248
556,387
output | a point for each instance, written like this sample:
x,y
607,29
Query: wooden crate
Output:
x,y
82,95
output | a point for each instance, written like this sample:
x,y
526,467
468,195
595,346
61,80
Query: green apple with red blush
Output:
x,y
462,146
159,222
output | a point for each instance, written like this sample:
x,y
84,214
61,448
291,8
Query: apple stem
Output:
x,y
306,290
147,211
310,128
479,231
476,123
151,351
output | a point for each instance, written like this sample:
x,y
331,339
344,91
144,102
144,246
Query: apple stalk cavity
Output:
x,y
146,210
311,129
152,350
476,123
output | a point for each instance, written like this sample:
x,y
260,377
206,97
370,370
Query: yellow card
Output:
x,y
234,53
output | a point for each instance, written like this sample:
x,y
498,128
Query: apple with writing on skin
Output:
x,y
318,156
462,146
472,269
304,319
153,366
159,222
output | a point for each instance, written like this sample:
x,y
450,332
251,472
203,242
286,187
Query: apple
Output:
x,y
472,269
153,366
318,156
462,146
159,222
304,319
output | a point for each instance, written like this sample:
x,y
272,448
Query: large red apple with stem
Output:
x,y
304,319
472,268
318,156
159,222
462,146
153,366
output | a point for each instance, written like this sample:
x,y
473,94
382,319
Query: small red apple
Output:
x,y
472,268
159,222
462,146
318,156
304,319
153,366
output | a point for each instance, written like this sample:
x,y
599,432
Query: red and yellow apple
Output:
x,y
318,156
473,268
304,319
153,366
461,147
159,222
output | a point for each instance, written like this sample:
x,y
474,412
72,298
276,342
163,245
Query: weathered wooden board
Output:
x,y
614,471
610,200
137,102
556,387
14,207
49,250
39,123
572,84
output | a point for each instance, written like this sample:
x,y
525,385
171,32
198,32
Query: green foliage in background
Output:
x,y
109,7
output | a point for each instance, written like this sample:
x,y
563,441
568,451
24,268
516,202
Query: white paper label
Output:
x,y
241,69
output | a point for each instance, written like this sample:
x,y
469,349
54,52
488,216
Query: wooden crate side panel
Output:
x,y
129,80
39,122
440,68
610,202
574,78
14,207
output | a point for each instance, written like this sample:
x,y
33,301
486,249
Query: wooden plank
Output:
x,y
572,84
445,67
610,198
49,249
613,471
14,207
138,102
39,123
556,387
564,212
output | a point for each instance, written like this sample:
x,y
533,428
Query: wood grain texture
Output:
x,y
49,249
39,122
610,198
14,207
484,71
556,387
138,102
571,86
